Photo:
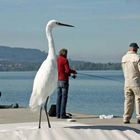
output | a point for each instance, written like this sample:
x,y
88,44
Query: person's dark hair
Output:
x,y
63,52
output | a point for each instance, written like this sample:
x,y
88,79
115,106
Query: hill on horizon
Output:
x,y
21,54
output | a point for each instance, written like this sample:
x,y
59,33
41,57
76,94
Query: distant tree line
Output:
x,y
18,66
21,59
34,66
80,65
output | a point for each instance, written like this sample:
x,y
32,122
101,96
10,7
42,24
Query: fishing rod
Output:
x,y
93,76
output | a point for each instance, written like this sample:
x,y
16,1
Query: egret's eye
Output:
x,y
57,23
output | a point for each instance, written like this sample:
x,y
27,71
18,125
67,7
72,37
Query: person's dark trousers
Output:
x,y
62,95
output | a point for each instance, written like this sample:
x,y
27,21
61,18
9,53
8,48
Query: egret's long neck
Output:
x,y
50,43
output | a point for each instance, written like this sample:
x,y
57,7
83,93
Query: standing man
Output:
x,y
64,71
131,70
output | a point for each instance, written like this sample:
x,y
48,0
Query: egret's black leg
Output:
x,y
49,125
40,118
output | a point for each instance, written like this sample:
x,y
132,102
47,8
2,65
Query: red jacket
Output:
x,y
64,70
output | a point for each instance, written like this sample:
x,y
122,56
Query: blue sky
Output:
x,y
103,28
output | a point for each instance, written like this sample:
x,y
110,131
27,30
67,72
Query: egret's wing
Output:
x,y
45,83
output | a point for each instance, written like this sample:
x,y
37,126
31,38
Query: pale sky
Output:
x,y
103,28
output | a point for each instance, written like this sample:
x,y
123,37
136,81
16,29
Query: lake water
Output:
x,y
92,92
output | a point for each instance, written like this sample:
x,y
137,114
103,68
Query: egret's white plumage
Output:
x,y
45,81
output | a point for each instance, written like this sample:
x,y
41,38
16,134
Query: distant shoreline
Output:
x,y
78,65
21,59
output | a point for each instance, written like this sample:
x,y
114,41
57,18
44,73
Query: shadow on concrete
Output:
x,y
107,127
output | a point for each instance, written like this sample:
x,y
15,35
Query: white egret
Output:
x,y
45,81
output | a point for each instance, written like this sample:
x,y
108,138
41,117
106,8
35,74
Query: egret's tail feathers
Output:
x,y
35,103
34,108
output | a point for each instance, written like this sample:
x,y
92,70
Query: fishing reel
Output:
x,y
73,76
